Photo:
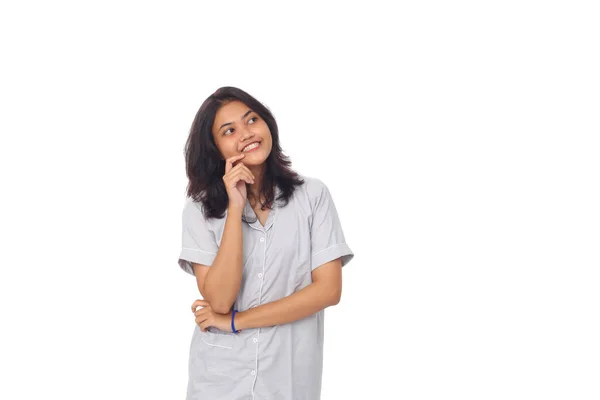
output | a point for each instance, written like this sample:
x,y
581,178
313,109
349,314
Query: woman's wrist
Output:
x,y
235,211
234,327
239,320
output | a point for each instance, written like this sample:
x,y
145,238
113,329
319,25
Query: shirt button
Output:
x,y
260,275
262,239
255,340
253,372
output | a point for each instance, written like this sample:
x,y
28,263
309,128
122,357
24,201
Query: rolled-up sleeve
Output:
x,y
198,241
327,237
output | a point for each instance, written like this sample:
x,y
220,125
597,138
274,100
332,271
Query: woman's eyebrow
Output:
x,y
229,123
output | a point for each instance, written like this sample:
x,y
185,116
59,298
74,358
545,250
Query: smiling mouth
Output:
x,y
251,147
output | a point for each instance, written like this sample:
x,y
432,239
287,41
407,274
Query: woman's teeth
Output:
x,y
251,147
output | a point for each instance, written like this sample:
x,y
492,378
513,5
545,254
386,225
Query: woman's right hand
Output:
x,y
235,180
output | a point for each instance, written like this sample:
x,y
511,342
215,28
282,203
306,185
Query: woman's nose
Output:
x,y
246,134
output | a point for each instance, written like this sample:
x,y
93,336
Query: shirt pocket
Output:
x,y
216,338
212,356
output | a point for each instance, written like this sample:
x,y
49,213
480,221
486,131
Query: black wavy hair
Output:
x,y
205,166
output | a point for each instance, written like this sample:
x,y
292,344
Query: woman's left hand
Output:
x,y
206,317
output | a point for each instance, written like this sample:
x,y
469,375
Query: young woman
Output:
x,y
267,249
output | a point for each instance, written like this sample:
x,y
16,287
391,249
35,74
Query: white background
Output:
x,y
458,139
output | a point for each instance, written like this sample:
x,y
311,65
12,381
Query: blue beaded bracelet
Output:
x,y
232,324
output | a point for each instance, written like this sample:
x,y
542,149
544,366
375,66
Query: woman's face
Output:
x,y
236,126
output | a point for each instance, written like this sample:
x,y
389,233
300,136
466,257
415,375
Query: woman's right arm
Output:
x,y
220,283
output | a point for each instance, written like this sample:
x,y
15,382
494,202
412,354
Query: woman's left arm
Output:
x,y
324,291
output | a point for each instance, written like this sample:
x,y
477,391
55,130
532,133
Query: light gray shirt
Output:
x,y
283,362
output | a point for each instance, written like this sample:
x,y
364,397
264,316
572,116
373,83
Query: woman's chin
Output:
x,y
253,159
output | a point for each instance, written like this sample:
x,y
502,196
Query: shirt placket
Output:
x,y
260,276
262,232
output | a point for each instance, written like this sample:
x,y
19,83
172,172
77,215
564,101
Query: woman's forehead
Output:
x,y
231,112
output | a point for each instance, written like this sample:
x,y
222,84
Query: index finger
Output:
x,y
230,160
198,303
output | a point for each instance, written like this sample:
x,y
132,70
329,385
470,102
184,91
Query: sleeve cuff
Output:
x,y
331,253
187,256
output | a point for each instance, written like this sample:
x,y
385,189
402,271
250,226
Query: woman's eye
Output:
x,y
253,118
225,133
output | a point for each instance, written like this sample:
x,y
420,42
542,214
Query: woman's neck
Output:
x,y
255,188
